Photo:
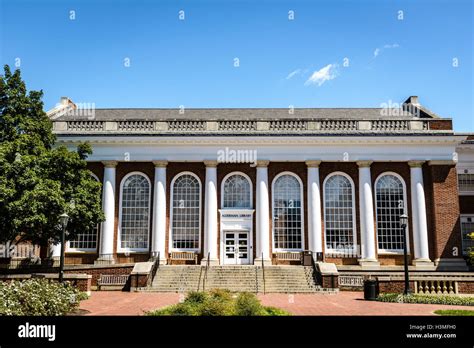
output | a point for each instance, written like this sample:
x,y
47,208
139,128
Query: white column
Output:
x,y
210,213
314,207
367,223
263,214
418,204
106,247
158,237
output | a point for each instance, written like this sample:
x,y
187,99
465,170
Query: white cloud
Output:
x,y
329,72
379,50
293,73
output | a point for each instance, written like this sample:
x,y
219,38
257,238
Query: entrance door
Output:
x,y
236,248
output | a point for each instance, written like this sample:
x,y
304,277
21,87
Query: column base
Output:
x,y
212,262
105,260
423,265
258,262
454,264
369,264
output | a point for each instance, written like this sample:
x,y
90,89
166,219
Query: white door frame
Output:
x,y
236,220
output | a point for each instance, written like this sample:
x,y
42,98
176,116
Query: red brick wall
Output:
x,y
224,169
444,211
351,169
96,272
441,125
173,169
300,169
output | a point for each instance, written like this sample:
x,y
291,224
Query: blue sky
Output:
x,y
282,62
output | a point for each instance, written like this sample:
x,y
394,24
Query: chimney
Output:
x,y
413,100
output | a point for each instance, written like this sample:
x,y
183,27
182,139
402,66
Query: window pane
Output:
x,y
237,192
86,240
186,212
466,182
135,212
287,213
467,227
339,210
390,205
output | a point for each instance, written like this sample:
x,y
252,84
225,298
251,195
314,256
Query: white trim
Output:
x,y
242,227
354,221
222,189
302,205
170,227
68,249
405,208
133,250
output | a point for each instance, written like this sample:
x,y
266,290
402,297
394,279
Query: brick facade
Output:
x,y
440,184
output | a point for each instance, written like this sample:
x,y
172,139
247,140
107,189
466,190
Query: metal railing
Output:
x,y
205,272
156,264
263,274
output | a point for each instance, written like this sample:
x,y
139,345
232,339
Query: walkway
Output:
x,y
343,303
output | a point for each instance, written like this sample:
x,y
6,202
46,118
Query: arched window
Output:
x,y
134,212
390,204
86,241
287,212
237,192
339,214
185,212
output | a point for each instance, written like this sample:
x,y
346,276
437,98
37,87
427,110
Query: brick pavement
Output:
x,y
343,303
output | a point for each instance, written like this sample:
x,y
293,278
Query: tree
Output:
x,y
38,180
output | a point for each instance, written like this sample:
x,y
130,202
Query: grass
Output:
x,y
427,299
455,312
219,303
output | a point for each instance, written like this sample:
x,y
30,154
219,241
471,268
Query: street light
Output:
x,y
63,219
403,225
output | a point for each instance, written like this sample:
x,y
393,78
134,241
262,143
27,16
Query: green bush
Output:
x,y
38,297
247,304
218,302
427,299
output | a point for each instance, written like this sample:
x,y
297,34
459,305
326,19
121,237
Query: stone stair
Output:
x,y
278,279
177,278
290,279
233,278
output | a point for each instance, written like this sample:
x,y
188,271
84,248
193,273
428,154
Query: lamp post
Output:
x,y
63,218
403,225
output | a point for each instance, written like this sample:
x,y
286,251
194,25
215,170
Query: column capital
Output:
x,y
313,163
442,163
110,164
415,164
364,164
210,163
263,163
160,164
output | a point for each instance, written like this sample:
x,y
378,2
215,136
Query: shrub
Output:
x,y
218,302
38,297
455,312
247,304
427,299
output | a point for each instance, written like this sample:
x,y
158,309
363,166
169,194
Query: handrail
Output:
x,y
263,274
205,272
315,269
156,265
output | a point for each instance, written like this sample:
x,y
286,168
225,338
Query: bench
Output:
x,y
184,256
288,256
112,281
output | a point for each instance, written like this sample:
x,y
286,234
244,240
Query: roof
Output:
x,y
239,114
